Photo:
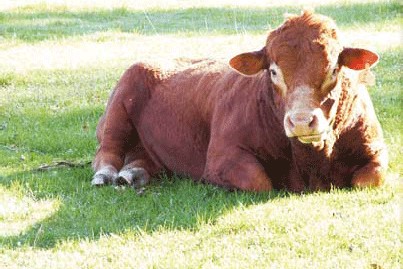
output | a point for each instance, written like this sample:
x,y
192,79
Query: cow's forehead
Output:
x,y
302,37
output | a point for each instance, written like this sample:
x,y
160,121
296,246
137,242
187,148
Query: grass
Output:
x,y
31,24
57,66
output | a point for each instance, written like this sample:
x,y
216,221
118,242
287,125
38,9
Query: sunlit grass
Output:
x,y
19,211
117,50
42,22
60,5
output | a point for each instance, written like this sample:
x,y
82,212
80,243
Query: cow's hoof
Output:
x,y
137,177
104,176
100,180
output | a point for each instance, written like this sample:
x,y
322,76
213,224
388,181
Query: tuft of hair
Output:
x,y
366,77
305,11
308,17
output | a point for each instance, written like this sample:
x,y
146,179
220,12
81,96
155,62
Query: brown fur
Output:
x,y
209,122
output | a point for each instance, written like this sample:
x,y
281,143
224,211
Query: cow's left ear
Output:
x,y
249,63
357,59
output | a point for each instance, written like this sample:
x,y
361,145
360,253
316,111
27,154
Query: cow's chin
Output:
x,y
311,139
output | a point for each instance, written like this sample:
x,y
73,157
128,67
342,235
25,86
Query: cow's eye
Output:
x,y
277,78
335,72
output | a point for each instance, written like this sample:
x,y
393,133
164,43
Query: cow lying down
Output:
x,y
292,115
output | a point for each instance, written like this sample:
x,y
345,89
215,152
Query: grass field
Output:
x,y
58,62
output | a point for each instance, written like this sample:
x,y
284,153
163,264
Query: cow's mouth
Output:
x,y
309,139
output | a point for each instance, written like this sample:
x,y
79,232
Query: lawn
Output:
x,y
59,61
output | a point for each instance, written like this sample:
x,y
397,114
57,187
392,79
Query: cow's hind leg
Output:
x,y
106,175
134,176
138,168
115,135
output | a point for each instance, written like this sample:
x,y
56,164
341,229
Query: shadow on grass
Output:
x,y
88,213
31,26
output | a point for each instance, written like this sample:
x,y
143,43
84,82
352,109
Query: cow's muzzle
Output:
x,y
307,126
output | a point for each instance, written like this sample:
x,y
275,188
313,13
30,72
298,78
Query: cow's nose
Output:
x,y
301,123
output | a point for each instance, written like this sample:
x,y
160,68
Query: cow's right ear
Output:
x,y
249,63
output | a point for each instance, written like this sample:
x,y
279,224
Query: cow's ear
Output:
x,y
249,63
357,59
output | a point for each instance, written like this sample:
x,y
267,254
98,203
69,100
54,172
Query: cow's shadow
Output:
x,y
87,213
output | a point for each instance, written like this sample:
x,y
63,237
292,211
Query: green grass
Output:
x,y
33,23
58,65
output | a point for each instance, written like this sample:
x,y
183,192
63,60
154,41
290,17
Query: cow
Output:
x,y
293,115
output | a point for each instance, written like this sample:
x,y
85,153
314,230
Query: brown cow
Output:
x,y
293,116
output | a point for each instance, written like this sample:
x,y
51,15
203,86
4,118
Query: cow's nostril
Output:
x,y
302,123
290,123
314,121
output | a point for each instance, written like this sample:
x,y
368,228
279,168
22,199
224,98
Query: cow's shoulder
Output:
x,y
356,124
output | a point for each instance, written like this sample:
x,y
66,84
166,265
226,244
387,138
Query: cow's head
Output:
x,y
304,59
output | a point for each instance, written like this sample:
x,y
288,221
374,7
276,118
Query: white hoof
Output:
x,y
137,177
125,177
99,180
104,176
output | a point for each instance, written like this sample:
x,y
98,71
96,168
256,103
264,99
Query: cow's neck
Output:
x,y
313,164
345,110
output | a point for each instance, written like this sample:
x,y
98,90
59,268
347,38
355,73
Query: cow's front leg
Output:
x,y
371,175
236,169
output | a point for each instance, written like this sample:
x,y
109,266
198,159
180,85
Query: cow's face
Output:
x,y
304,59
